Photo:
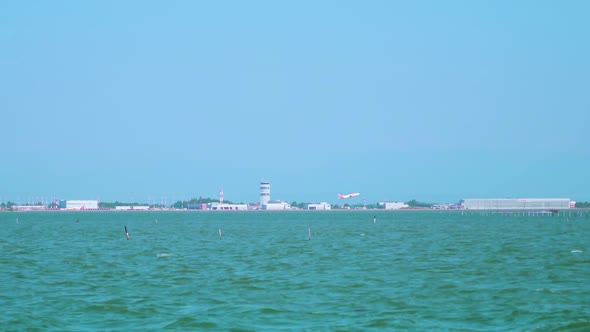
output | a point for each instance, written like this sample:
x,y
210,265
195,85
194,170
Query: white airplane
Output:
x,y
348,196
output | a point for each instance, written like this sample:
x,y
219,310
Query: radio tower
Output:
x,y
221,196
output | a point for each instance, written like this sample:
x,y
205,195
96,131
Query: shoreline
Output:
x,y
500,211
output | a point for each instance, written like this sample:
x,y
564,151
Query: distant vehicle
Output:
x,y
348,196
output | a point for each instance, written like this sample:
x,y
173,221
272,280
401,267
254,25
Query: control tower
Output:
x,y
264,193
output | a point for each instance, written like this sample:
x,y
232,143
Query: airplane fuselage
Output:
x,y
348,196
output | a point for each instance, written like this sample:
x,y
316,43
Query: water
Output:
x,y
409,271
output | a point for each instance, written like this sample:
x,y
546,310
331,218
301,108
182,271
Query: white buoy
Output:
x,y
127,233
156,221
220,234
374,219
309,233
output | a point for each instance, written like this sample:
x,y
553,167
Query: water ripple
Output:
x,y
410,271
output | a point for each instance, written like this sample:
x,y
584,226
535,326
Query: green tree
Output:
x,y
415,203
7,205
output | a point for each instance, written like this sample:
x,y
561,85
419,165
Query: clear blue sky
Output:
x,y
432,100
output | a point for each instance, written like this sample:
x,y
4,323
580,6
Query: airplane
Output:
x,y
348,196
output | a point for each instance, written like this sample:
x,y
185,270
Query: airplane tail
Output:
x,y
340,196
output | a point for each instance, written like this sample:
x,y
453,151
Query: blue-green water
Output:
x,y
409,271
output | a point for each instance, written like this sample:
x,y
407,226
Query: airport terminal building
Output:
x,y
516,203
319,206
392,205
78,205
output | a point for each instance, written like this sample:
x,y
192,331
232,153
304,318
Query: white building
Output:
x,y
392,205
264,193
81,205
516,203
319,206
227,207
276,206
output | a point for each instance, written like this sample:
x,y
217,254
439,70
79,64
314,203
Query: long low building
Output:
x,y
227,207
28,207
516,203
132,208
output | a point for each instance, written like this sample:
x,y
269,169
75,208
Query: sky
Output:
x,y
398,100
